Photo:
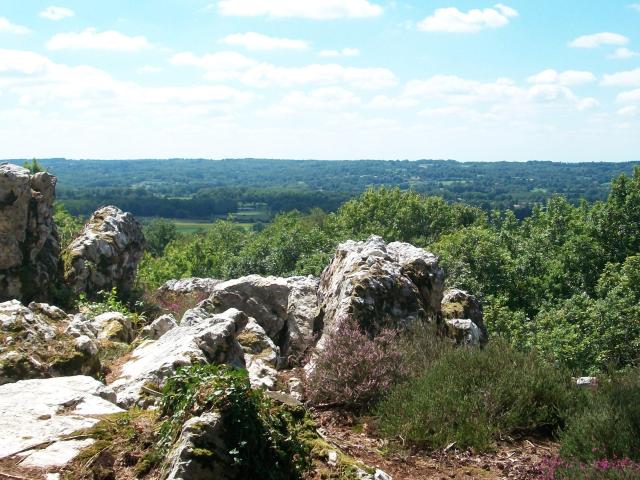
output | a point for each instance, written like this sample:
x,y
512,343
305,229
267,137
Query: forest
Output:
x,y
208,189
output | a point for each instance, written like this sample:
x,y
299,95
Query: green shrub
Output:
x,y
608,425
471,397
265,440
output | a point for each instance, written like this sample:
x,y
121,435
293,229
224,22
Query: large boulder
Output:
x,y
193,285
105,254
29,245
463,317
201,337
37,415
380,286
35,343
286,308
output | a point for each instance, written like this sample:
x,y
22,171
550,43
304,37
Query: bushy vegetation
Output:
x,y
354,371
263,440
472,397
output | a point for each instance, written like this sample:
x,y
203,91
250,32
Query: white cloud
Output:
x,y
232,65
8,27
632,96
455,21
624,53
91,39
56,13
328,98
314,9
149,69
587,104
599,39
635,6
628,111
345,52
567,78
22,62
257,41
630,78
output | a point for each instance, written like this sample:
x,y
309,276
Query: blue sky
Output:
x,y
328,79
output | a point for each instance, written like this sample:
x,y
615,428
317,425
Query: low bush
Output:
x,y
472,397
264,440
558,469
608,424
353,371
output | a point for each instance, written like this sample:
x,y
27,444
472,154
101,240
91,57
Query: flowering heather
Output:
x,y
603,469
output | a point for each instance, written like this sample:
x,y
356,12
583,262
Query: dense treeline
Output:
x,y
204,189
565,280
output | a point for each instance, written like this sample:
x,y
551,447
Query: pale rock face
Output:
x,y
464,332
29,245
37,411
458,305
210,339
189,285
159,327
262,356
205,432
105,254
380,285
113,326
286,308
35,343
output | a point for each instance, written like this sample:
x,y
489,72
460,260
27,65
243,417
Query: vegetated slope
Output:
x,y
199,188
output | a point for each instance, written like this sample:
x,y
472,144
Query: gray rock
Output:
x,y
159,327
458,304
204,433
380,286
113,326
105,254
189,285
212,339
464,332
286,308
261,355
29,244
33,412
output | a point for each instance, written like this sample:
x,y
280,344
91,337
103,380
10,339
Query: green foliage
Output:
x,y
608,425
159,233
33,166
472,397
107,301
264,440
68,226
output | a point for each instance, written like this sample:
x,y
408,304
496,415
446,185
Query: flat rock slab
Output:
x,y
34,412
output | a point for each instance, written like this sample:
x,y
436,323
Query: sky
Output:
x,y
324,79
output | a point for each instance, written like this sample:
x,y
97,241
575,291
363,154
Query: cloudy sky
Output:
x,y
327,79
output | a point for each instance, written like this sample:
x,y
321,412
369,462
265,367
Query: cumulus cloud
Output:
x,y
624,53
231,65
91,39
588,103
628,111
56,13
345,52
453,20
149,69
8,27
258,41
599,39
314,9
635,6
567,78
632,96
630,78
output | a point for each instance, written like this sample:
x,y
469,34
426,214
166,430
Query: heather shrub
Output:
x,y
472,396
558,469
353,370
608,424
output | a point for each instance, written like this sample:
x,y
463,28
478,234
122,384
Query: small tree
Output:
x,y
33,166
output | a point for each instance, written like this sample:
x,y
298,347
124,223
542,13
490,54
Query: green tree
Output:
x,y
159,233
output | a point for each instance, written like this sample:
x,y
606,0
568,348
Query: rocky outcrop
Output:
x,y
286,308
189,285
463,317
201,337
159,327
380,286
29,246
40,413
35,343
206,433
261,355
105,254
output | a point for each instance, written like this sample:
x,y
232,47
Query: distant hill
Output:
x,y
202,189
